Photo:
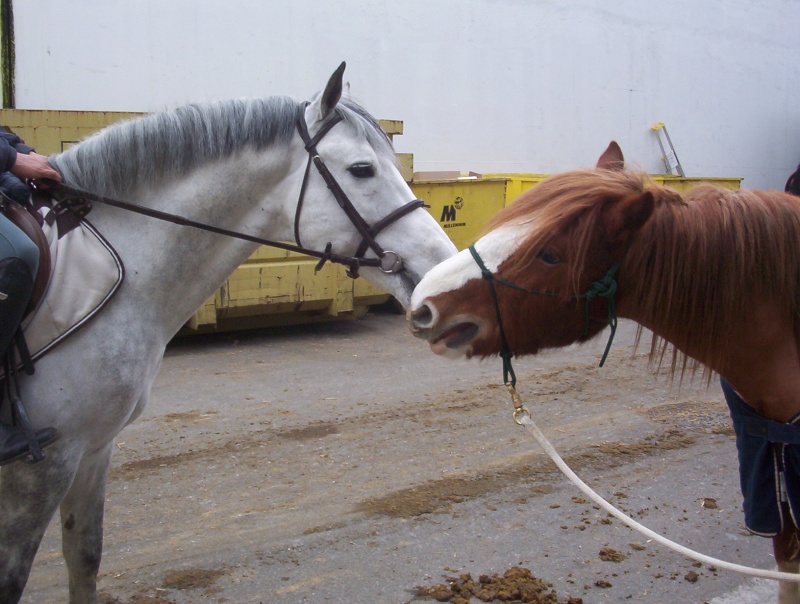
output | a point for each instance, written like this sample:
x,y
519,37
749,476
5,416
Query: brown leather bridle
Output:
x,y
387,261
79,201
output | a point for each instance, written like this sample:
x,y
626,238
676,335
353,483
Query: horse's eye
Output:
x,y
548,256
362,170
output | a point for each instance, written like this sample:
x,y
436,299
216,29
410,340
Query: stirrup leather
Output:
x,y
19,416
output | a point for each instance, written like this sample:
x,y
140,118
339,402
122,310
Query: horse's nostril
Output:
x,y
422,317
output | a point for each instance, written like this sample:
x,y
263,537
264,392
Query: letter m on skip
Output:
x,y
448,214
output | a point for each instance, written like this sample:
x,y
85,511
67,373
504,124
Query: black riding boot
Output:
x,y
16,284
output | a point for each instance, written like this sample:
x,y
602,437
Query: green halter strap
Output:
x,y
509,377
605,287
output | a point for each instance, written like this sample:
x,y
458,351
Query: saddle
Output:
x,y
78,272
28,222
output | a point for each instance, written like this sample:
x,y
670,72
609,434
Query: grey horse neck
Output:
x,y
165,145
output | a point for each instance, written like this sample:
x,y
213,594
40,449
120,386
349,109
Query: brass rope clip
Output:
x,y
519,409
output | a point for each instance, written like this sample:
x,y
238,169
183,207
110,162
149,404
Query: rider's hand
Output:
x,y
32,165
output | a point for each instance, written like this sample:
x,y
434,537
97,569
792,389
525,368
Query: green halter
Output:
x,y
605,287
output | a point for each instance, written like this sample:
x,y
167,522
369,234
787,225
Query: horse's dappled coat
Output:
x,y
100,379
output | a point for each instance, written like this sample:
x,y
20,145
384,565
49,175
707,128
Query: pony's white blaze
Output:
x,y
452,274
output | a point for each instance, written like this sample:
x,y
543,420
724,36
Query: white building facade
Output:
x,y
483,85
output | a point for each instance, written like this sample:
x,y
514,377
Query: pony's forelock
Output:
x,y
561,203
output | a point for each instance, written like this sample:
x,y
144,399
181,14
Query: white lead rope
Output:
x,y
523,418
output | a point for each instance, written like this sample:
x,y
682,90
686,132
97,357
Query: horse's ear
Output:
x,y
612,158
321,106
624,216
793,184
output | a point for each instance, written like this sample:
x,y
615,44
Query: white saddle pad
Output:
x,y
85,274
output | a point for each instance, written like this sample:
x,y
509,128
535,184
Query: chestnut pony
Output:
x,y
714,272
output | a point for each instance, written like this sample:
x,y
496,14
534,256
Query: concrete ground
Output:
x,y
344,462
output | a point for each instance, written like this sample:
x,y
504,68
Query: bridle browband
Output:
x,y
605,287
74,199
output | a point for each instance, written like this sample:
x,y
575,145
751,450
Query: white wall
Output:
x,y
483,85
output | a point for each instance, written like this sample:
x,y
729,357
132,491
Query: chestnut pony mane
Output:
x,y
697,268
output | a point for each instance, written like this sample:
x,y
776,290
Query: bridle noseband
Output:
x,y
605,287
78,201
387,261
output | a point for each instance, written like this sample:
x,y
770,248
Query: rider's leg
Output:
x,y
19,259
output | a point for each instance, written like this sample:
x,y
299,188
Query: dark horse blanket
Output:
x,y
769,465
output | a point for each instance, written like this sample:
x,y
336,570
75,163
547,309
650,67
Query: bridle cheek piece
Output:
x,y
387,261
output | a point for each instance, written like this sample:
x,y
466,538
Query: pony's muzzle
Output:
x,y
420,321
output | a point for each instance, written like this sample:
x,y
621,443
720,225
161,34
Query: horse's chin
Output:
x,y
405,286
455,341
400,285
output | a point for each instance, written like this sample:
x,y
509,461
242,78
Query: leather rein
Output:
x,y
79,201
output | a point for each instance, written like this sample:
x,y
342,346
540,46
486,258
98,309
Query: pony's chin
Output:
x,y
454,342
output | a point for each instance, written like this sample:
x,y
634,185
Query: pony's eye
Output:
x,y
362,170
548,256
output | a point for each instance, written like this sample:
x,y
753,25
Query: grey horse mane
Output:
x,y
160,146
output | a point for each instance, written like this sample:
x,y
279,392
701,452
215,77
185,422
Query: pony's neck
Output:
x,y
672,283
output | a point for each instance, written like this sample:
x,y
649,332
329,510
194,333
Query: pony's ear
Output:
x,y
612,158
323,104
624,216
793,184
